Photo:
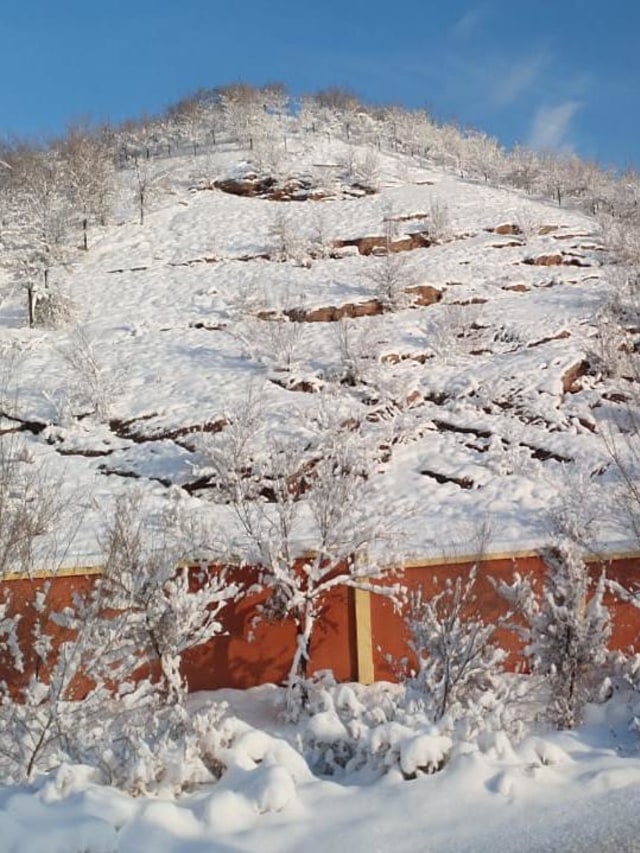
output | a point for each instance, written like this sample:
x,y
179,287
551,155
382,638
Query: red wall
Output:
x,y
252,654
389,636
259,652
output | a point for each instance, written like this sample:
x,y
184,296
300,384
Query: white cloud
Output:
x,y
551,125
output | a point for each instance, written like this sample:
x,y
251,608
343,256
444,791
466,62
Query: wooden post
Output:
x,y
364,640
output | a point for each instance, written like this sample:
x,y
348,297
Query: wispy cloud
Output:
x,y
467,24
551,125
508,83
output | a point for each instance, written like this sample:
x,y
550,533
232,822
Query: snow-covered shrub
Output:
x,y
350,728
439,220
51,308
131,738
566,630
389,277
454,648
91,384
163,748
275,343
288,244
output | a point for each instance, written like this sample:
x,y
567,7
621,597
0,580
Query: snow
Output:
x,y
552,791
167,312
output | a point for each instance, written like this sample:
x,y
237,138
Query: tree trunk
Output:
x,y
297,694
31,304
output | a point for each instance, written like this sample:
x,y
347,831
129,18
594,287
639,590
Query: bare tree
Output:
x,y
37,223
88,176
148,181
306,510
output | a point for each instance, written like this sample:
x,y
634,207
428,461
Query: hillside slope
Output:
x,y
462,343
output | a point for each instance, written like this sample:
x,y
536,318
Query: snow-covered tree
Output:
x,y
165,607
88,177
36,232
566,632
453,646
308,512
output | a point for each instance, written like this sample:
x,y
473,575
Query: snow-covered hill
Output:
x,y
475,363
255,318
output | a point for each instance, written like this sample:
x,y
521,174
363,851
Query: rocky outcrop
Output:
x,y
333,313
382,245
556,260
424,294
508,228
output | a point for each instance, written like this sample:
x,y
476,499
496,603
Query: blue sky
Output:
x,y
550,73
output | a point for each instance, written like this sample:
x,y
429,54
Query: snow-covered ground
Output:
x,y
492,398
558,792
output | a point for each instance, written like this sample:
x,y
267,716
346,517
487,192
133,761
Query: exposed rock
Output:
x,y
559,337
616,397
332,313
569,236
424,294
397,357
343,252
474,300
507,228
382,245
575,262
249,186
130,429
21,425
547,229
407,217
446,426
87,452
556,260
303,386
462,482
571,378
209,327
545,261
516,288
542,454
